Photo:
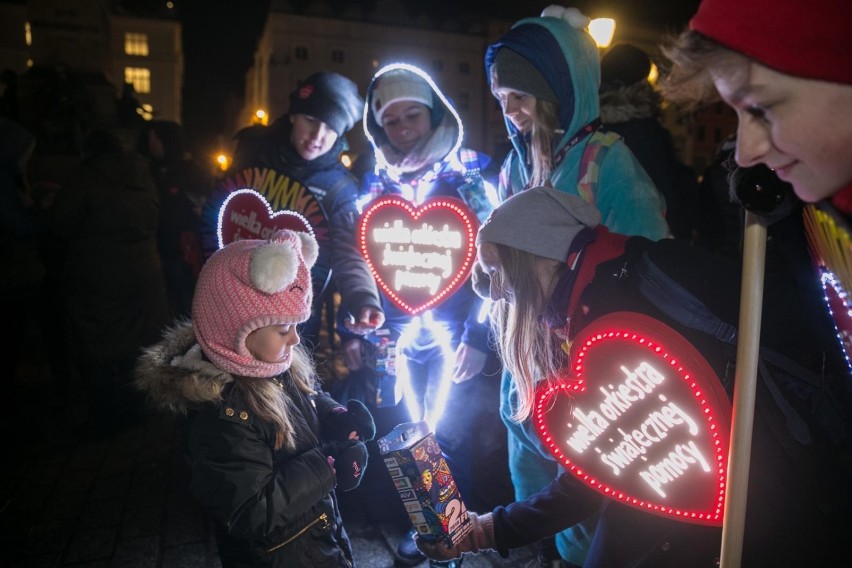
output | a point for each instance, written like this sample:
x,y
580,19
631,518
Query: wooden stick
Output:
x,y
745,386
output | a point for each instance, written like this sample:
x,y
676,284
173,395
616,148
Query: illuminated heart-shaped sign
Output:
x,y
419,255
245,214
640,418
837,300
281,191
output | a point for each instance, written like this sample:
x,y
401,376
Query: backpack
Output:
x,y
802,416
800,473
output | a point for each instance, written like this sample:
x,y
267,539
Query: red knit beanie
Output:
x,y
247,285
797,37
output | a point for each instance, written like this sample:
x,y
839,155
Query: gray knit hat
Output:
x,y
398,85
541,221
516,73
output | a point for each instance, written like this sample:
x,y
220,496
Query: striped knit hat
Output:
x,y
247,285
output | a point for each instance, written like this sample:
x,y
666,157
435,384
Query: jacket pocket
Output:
x,y
321,520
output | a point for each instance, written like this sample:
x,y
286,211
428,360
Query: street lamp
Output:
x,y
260,117
602,30
653,74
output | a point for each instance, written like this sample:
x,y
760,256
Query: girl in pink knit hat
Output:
x,y
266,447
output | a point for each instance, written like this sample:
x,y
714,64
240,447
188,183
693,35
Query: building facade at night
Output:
x,y
295,44
292,46
86,39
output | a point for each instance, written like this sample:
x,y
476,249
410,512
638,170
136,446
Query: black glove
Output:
x,y
759,190
354,417
350,462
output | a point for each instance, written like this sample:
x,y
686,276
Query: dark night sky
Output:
x,y
219,38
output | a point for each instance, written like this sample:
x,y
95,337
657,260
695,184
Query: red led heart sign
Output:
x,y
418,255
641,418
837,300
245,214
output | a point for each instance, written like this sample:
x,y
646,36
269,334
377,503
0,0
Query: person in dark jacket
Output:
x,y
265,446
182,188
305,145
107,213
630,107
551,284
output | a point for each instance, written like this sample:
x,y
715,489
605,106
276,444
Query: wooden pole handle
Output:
x,y
745,387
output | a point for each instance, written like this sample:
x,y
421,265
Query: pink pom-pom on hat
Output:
x,y
247,285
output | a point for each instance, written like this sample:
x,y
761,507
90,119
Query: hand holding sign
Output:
x,y
642,419
419,255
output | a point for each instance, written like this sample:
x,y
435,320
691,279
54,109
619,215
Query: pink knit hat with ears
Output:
x,y
247,285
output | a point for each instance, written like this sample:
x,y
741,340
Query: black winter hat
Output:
x,y
623,65
330,97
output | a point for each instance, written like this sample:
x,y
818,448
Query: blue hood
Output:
x,y
568,60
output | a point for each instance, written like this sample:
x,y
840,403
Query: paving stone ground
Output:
x,y
68,498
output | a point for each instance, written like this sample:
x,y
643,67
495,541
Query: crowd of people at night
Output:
x,y
287,357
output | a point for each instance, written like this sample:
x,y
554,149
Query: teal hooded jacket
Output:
x,y
568,60
624,194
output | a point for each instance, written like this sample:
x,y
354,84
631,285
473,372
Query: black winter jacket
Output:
x,y
794,514
334,188
271,507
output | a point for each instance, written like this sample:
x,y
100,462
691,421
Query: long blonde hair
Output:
x,y
529,349
543,135
543,132
270,402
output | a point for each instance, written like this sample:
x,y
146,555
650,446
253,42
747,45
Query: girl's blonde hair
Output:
x,y
543,131
542,137
692,55
269,401
529,349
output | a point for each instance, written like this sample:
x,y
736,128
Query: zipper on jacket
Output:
x,y
322,518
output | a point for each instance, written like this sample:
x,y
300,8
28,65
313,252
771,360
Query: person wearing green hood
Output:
x,y
545,72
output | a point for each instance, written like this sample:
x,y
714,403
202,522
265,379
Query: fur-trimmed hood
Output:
x,y
634,102
174,375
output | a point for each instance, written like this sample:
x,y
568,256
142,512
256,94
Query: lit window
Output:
x,y
28,33
136,44
139,77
